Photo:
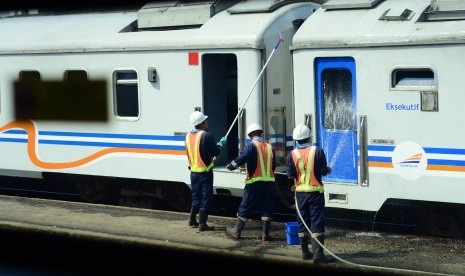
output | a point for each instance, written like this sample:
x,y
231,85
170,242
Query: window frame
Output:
x,y
66,75
127,82
413,83
21,77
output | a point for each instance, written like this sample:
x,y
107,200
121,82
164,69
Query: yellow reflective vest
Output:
x,y
264,170
304,162
196,163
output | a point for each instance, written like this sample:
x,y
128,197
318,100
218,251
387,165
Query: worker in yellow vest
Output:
x,y
260,189
307,164
201,148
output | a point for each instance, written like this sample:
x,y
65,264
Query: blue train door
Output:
x,y
336,116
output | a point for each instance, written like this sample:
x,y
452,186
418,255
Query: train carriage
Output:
x,y
155,65
379,82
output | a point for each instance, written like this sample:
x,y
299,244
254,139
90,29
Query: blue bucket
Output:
x,y
292,233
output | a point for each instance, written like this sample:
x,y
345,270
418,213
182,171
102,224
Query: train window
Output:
x,y
413,79
75,75
337,98
126,93
29,76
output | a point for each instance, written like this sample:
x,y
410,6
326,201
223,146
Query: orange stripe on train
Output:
x,y
30,129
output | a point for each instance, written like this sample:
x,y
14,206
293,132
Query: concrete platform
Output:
x,y
43,236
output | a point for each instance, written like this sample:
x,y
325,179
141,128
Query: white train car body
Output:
x,y
160,64
380,82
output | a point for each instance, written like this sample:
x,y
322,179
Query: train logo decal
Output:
x,y
174,148
409,160
414,160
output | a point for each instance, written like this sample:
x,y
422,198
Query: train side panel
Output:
x,y
383,91
155,78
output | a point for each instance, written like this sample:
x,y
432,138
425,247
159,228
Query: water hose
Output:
x,y
354,264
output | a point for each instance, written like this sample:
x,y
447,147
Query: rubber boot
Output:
x,y
306,254
319,256
266,225
235,232
193,217
203,226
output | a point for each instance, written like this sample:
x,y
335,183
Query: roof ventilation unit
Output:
x,y
397,15
442,10
170,14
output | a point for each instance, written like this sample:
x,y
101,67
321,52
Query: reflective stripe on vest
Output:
x,y
306,180
262,172
193,153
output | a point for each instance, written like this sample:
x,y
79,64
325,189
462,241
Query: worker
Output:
x,y
306,164
201,149
260,189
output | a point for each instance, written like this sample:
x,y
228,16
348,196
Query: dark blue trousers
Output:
x,y
202,190
258,197
312,209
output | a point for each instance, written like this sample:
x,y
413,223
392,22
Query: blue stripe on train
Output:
x,y
103,135
96,144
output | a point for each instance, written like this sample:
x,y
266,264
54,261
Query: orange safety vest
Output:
x,y
304,162
264,171
193,152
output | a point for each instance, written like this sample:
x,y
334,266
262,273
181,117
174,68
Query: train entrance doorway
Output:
x,y
219,76
336,117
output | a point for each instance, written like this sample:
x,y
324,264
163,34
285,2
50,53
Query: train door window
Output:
x,y
337,98
277,131
29,76
413,79
75,75
126,93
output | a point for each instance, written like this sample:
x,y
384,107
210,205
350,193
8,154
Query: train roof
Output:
x,y
243,25
370,23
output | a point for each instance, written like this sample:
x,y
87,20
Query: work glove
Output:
x,y
230,167
222,142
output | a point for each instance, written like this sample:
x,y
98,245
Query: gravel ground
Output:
x,y
375,251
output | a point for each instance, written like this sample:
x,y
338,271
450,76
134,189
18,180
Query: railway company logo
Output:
x,y
409,160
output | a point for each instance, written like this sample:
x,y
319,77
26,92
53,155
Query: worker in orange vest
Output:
x,y
307,164
260,188
201,149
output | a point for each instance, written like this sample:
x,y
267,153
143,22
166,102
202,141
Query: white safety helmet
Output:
x,y
253,127
197,118
301,132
